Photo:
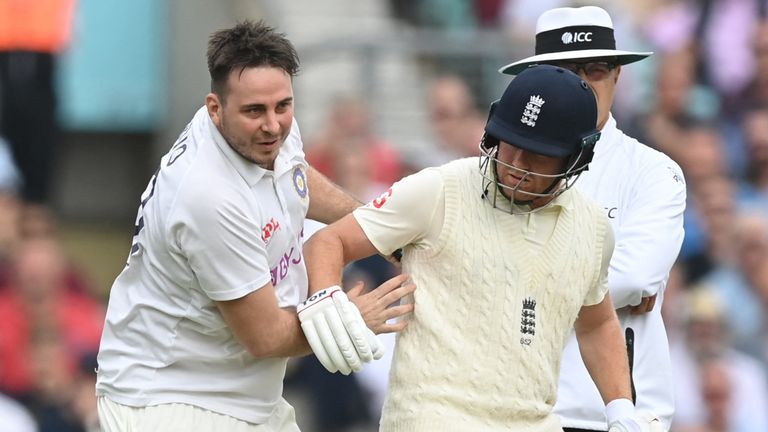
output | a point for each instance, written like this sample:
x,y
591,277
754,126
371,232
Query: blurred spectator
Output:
x,y
756,137
677,104
19,222
38,303
55,371
456,122
15,418
64,400
701,154
737,283
713,206
717,394
354,171
706,339
349,131
83,403
721,34
756,93
32,34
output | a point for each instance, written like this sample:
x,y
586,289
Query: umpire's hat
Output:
x,y
574,33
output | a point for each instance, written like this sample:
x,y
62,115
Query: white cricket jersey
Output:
x,y
643,194
211,227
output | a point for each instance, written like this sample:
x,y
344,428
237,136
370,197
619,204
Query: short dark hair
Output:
x,y
245,45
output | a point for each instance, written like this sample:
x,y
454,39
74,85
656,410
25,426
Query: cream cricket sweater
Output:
x,y
483,350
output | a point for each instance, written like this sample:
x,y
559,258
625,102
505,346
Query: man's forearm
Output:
x,y
324,259
262,327
327,201
604,353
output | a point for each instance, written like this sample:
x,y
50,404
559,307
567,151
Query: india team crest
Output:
x,y
300,182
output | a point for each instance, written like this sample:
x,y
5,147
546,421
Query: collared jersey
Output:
x,y
642,191
211,227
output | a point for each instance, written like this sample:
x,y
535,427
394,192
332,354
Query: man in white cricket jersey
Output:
x,y
508,259
203,318
642,191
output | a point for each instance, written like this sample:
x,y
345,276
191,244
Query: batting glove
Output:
x,y
622,417
337,333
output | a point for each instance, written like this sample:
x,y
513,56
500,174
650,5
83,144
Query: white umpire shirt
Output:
x,y
643,194
211,227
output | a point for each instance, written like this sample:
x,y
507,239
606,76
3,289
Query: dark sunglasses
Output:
x,y
593,70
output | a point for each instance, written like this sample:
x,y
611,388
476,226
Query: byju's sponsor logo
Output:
x,y
288,260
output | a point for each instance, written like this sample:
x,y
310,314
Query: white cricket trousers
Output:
x,y
178,417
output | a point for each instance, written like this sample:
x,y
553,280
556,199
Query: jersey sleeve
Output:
x,y
649,239
600,287
222,245
408,213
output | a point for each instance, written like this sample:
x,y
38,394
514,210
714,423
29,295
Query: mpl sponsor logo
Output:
x,y
269,230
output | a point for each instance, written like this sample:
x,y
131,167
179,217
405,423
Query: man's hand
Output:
x,y
622,417
376,306
337,333
646,305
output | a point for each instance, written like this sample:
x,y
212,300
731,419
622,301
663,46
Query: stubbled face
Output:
x,y
511,173
256,113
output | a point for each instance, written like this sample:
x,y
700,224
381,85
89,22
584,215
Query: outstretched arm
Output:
x,y
334,246
327,201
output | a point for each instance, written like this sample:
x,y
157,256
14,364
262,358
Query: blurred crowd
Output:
x,y
50,319
702,99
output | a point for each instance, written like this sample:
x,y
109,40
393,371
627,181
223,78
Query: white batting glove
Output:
x,y
622,417
337,333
